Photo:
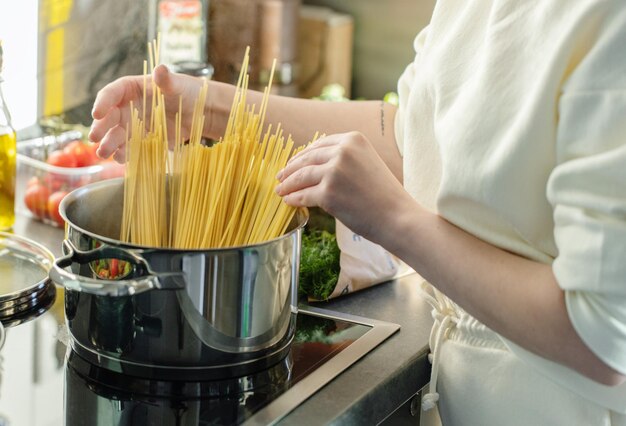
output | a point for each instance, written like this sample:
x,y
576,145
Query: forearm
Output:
x,y
516,297
303,117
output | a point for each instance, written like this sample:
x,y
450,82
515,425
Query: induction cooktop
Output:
x,y
76,391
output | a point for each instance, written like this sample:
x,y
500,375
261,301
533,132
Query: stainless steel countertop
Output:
x,y
375,386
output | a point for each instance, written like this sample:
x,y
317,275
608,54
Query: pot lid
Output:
x,y
24,266
21,313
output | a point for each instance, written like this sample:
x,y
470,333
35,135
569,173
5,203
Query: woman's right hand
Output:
x,y
111,109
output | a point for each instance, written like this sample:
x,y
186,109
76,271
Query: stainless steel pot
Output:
x,y
210,313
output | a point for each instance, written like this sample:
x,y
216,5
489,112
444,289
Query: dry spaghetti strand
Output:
x,y
196,196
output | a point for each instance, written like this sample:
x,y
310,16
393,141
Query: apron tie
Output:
x,y
445,318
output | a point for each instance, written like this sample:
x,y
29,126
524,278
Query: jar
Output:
x,y
182,26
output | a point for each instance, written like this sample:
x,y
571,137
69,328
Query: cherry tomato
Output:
x,y
61,158
81,152
56,181
92,148
32,181
53,207
36,199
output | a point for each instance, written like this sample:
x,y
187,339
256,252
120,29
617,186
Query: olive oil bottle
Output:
x,y
7,162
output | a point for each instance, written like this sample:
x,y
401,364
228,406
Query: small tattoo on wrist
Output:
x,y
382,118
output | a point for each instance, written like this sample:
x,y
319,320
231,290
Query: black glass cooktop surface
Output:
x,y
37,370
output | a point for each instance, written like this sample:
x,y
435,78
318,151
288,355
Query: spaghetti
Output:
x,y
198,196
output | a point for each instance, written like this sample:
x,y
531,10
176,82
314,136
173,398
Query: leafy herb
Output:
x,y
319,264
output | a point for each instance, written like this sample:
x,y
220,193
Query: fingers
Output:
x,y
319,143
306,197
115,94
111,142
120,154
302,178
99,128
310,156
170,84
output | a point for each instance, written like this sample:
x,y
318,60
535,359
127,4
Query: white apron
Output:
x,y
477,380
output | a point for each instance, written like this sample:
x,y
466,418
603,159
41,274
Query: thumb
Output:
x,y
168,82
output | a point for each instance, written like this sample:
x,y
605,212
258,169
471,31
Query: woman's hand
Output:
x,y
344,175
111,109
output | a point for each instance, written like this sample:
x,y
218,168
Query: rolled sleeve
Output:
x,y
600,320
588,192
405,84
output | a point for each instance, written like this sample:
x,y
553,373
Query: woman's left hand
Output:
x,y
344,175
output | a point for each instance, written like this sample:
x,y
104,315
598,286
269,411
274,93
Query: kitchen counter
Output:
x,y
372,389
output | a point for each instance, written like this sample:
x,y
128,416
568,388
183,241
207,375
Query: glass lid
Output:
x,y
19,314
24,266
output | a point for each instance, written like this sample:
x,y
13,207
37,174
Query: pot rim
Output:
x,y
303,212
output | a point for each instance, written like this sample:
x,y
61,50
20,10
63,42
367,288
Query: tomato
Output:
x,y
56,181
114,265
53,207
80,151
92,148
32,181
61,158
36,199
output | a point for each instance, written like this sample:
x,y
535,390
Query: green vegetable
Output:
x,y
392,98
333,92
319,264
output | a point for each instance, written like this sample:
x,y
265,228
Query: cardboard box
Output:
x,y
325,41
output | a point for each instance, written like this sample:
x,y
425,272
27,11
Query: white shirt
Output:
x,y
512,125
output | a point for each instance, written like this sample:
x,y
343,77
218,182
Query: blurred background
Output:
x,y
59,53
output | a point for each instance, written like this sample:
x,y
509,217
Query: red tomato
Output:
x,y
36,199
81,153
57,181
61,158
114,264
92,148
32,181
53,207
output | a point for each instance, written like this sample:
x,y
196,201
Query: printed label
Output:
x,y
181,28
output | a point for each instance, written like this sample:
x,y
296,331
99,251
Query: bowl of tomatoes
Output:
x,y
49,167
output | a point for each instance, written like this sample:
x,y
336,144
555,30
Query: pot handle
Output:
x,y
101,287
